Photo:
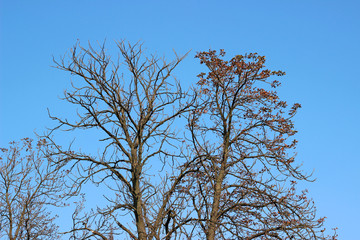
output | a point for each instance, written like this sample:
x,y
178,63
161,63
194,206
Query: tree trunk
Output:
x,y
215,207
137,198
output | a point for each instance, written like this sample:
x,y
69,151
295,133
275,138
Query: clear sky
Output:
x,y
317,43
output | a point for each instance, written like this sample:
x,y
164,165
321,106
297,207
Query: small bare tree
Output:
x,y
28,184
134,102
242,140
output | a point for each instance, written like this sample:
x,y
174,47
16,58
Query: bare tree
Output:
x,y
242,138
28,184
134,102
232,177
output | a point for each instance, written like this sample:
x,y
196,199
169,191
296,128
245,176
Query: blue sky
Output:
x,y
315,42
